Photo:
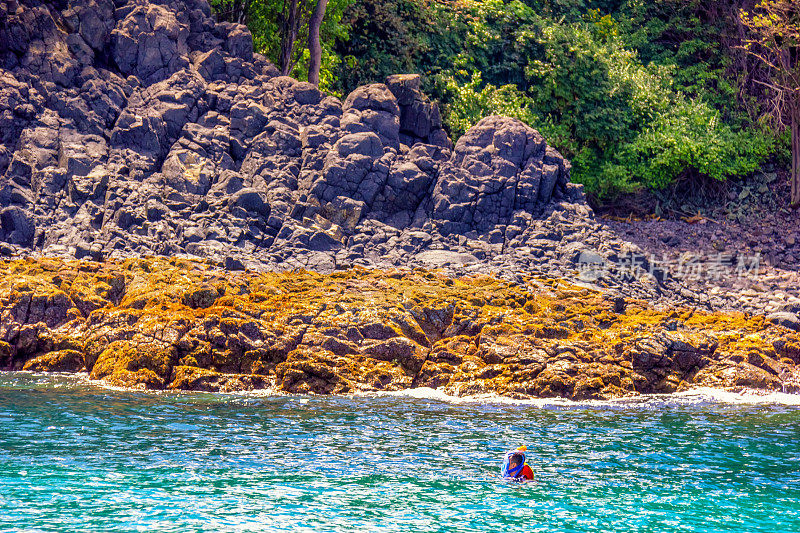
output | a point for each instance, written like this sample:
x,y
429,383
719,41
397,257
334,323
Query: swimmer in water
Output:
x,y
515,466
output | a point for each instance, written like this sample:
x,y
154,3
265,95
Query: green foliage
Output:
x,y
470,100
637,94
394,36
686,140
687,34
263,19
490,39
630,125
383,41
624,123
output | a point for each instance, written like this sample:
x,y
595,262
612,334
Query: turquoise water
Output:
x,y
75,457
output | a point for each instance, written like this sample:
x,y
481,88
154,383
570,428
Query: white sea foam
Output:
x,y
698,396
744,396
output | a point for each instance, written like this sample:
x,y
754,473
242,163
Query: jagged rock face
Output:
x,y
499,167
147,127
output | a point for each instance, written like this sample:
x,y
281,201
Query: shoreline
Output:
x,y
700,396
165,323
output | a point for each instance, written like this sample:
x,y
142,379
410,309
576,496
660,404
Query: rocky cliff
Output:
x,y
133,127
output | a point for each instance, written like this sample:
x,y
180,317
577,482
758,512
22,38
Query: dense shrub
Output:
x,y
624,123
469,100
386,37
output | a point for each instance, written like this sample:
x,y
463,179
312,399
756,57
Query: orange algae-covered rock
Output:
x,y
126,363
58,361
200,379
180,324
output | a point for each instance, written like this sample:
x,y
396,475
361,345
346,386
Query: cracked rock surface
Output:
x,y
147,127
136,128
180,324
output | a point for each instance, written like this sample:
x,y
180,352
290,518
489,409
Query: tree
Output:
x,y
314,47
232,10
287,19
290,22
775,41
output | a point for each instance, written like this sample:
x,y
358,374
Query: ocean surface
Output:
x,y
78,457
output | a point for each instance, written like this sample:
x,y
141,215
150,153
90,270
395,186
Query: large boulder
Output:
x,y
499,166
420,120
154,118
149,42
373,108
17,226
354,167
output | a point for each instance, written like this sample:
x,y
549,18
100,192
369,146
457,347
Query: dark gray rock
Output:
x,y
354,168
498,167
420,120
210,65
307,93
17,225
785,319
343,211
149,42
790,307
238,42
323,242
233,264
373,108
252,201
406,88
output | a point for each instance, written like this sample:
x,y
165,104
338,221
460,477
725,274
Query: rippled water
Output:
x,y
76,457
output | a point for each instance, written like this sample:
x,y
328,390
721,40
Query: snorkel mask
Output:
x,y
508,472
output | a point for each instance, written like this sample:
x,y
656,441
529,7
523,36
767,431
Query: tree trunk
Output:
x,y
314,47
795,111
233,11
289,28
244,11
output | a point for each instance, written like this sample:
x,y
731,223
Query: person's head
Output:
x,y
516,460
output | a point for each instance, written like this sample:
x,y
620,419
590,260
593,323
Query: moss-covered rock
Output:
x,y
126,363
179,324
6,355
200,379
58,361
